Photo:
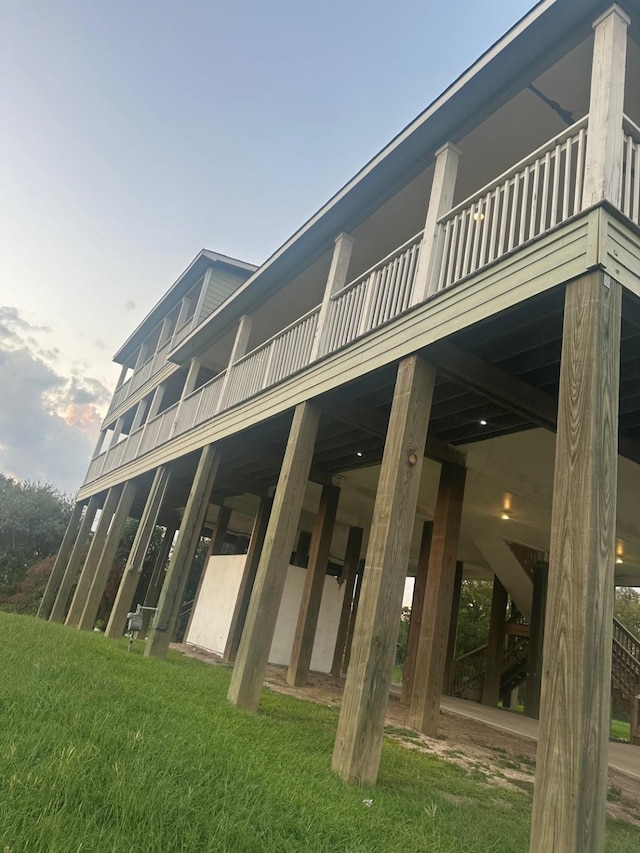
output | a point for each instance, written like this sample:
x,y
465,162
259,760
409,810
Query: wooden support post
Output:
x,y
248,578
440,202
142,540
536,640
348,580
495,645
93,557
434,627
253,653
301,554
571,776
417,605
107,556
62,559
603,161
336,280
356,755
352,619
300,661
453,626
59,609
164,624
152,595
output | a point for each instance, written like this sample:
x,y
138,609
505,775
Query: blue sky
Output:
x,y
135,133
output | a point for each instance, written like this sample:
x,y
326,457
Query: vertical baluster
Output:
x,y
462,237
486,224
493,246
636,185
513,219
534,198
477,232
545,192
556,186
469,214
577,202
504,215
446,255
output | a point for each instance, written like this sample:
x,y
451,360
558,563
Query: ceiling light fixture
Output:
x,y
359,453
483,422
505,515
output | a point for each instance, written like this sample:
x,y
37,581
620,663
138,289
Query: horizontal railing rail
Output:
x,y
536,194
143,374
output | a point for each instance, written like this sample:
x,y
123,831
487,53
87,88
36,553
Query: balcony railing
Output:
x,y
529,199
145,372
524,202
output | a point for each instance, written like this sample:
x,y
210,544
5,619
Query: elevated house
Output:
x,y
437,375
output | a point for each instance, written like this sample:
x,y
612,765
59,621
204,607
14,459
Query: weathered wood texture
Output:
x,y
356,755
453,625
253,653
536,640
301,555
348,580
164,624
305,634
59,608
62,559
417,605
87,620
434,627
353,617
248,579
142,540
495,645
93,556
570,789
603,163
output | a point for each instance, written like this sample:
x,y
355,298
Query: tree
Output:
x,y
627,608
33,519
473,618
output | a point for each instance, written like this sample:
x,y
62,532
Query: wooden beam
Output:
x,y
453,626
164,624
92,602
356,755
62,558
248,578
154,589
571,776
417,605
347,580
59,609
536,640
434,628
142,540
253,653
373,422
305,634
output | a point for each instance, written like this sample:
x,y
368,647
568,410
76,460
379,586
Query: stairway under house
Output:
x,y
443,360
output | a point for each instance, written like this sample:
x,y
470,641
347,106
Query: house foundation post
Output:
x,y
570,788
61,561
105,563
59,608
133,568
434,627
356,755
495,645
348,580
440,202
302,649
154,589
166,618
453,626
417,605
241,607
536,640
253,652
352,619
93,557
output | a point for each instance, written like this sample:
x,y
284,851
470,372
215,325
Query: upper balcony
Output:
x,y
540,193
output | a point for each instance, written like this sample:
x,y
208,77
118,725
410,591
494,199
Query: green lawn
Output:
x,y
103,751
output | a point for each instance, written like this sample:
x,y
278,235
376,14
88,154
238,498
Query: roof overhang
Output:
x,y
193,273
491,80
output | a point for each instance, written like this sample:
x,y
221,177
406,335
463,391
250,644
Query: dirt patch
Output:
x,y
503,758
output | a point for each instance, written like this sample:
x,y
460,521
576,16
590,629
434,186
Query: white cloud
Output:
x,y
48,421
